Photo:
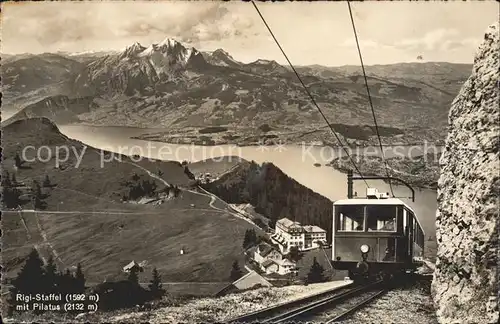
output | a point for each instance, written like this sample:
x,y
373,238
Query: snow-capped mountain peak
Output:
x,y
169,51
133,49
169,42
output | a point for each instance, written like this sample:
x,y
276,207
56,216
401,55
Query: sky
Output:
x,y
310,33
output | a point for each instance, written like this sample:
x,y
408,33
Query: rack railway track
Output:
x,y
309,307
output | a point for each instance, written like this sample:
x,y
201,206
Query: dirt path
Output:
x,y
151,174
47,243
155,176
213,198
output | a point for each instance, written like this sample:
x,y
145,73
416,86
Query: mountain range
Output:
x,y
170,85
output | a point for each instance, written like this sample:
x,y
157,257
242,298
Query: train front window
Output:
x,y
352,218
381,218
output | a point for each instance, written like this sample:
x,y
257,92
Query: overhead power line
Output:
x,y
309,94
369,96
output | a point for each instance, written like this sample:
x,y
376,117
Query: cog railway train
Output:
x,y
376,236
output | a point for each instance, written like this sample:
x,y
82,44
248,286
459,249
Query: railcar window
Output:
x,y
381,218
352,218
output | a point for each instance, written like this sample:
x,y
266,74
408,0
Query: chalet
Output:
x,y
133,265
269,266
271,260
265,251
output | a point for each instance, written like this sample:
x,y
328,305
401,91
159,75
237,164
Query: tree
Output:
x,y
316,275
250,238
10,195
17,161
272,223
133,275
6,180
67,282
265,128
246,240
188,173
236,272
155,286
46,182
14,180
177,191
79,279
36,189
30,280
294,254
37,196
51,275
37,203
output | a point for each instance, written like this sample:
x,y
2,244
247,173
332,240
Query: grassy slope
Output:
x,y
106,242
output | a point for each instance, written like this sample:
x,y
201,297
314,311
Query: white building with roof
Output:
x,y
305,237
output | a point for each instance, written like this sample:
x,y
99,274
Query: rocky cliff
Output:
x,y
465,286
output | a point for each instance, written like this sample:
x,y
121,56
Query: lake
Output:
x,y
297,161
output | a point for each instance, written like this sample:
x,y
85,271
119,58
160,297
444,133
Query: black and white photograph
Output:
x,y
250,161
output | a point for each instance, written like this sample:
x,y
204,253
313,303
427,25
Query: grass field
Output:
x,y
212,241
85,220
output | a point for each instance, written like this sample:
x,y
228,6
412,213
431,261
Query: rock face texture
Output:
x,y
465,286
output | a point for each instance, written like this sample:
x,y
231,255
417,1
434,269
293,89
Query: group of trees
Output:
x,y
172,189
188,172
37,278
11,195
129,292
294,254
138,188
250,239
274,195
37,196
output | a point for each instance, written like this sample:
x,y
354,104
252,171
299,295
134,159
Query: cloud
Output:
x,y
98,23
436,40
368,43
309,33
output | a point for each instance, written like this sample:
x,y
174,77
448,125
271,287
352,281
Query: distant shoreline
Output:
x,y
145,137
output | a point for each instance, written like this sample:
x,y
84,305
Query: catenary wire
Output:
x,y
369,96
309,94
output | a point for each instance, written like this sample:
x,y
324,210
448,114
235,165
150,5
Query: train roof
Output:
x,y
366,201
384,201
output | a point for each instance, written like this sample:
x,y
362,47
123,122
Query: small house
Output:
x,y
133,265
248,281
